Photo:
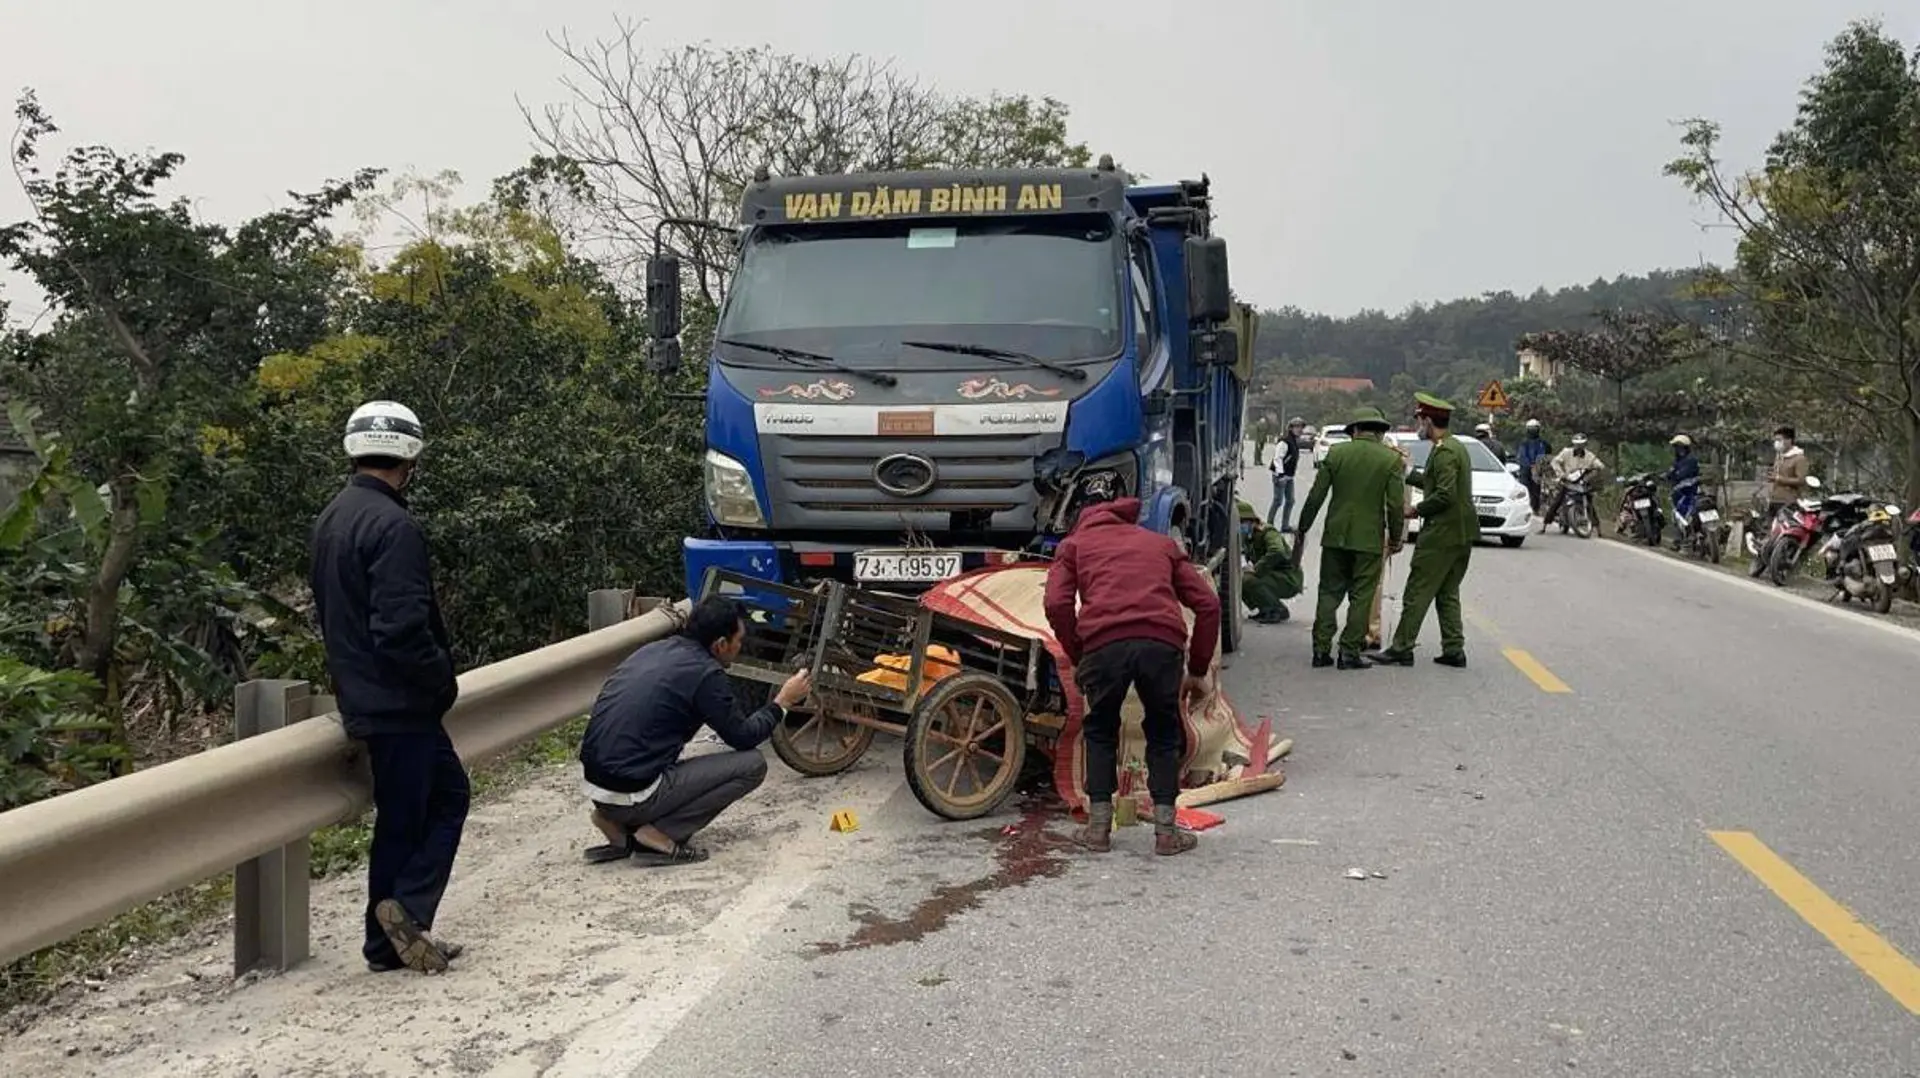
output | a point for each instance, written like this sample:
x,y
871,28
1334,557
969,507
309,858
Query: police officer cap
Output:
x,y
1247,512
1368,418
1428,404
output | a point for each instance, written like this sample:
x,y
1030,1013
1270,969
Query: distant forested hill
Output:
x,y
1428,338
1451,348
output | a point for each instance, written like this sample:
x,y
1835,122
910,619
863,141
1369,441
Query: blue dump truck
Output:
x,y
917,374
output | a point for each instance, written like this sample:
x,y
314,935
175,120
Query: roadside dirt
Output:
x,y
558,952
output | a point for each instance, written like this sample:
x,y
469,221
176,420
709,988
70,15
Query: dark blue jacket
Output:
x,y
1533,450
387,647
652,705
1685,474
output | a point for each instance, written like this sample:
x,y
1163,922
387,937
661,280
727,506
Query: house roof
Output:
x,y
1328,385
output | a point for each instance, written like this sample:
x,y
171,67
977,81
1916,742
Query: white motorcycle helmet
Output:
x,y
1579,439
384,429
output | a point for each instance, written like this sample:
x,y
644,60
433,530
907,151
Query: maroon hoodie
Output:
x,y
1131,584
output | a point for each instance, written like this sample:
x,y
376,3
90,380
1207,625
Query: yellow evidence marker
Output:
x,y
844,821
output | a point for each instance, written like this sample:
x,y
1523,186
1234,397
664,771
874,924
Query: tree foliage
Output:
x,y
679,133
1828,262
157,317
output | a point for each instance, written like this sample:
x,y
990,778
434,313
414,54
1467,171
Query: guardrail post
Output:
x,y
607,607
270,907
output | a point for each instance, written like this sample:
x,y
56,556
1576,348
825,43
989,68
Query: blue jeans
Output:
x,y
1282,502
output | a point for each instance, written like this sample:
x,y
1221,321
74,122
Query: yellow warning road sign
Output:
x,y
1493,398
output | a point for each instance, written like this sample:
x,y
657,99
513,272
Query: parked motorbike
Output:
x,y
1762,532
1641,519
1576,506
1808,528
1704,533
1861,560
1756,525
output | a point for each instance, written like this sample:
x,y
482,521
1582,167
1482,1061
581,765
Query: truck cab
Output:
x,y
919,374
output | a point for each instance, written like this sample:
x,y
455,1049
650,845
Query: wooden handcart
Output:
x,y
967,699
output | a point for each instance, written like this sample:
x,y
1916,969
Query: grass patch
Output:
x,y
101,951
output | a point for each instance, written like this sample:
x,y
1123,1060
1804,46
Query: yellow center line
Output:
x,y
1876,957
1535,671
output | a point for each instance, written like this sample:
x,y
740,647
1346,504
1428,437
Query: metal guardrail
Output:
x,y
74,861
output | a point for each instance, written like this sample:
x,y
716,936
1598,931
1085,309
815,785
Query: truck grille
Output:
x,y
826,483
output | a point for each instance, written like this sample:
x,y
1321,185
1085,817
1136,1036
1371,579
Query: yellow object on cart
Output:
x,y
941,662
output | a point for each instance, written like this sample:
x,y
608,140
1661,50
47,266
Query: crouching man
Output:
x,y
648,800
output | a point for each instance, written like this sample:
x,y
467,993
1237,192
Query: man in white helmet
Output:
x,y
1484,432
1570,461
391,663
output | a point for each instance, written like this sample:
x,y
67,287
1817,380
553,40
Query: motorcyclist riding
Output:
x,y
1685,478
1533,450
1567,462
1484,432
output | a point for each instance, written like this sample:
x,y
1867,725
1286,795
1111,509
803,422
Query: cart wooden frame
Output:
x,y
965,726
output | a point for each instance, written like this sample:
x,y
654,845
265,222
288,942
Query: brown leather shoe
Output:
x,y
1168,839
1097,835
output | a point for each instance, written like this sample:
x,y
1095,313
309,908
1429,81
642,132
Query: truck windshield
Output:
x,y
1048,287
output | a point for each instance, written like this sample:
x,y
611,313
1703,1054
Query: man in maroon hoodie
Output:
x,y
1128,632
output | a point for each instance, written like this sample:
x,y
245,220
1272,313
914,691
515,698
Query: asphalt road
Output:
x,y
1555,899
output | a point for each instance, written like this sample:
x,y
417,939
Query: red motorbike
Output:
x,y
1804,525
1795,529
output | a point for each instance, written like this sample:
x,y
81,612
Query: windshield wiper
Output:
x,y
803,357
1024,359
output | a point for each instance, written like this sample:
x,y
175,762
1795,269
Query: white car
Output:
x,y
1499,499
1327,439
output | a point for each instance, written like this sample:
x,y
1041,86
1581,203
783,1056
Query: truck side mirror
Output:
x,y
1216,348
663,357
1209,299
663,314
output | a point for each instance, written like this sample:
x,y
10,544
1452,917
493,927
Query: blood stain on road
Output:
x,y
1025,852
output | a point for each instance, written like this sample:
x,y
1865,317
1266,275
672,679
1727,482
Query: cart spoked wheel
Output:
x,y
820,742
965,745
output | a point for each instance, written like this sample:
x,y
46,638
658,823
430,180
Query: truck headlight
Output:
x,y
730,496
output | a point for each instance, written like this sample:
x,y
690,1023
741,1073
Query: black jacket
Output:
x,y
387,647
1290,456
652,705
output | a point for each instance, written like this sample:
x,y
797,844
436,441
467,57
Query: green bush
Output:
x,y
50,739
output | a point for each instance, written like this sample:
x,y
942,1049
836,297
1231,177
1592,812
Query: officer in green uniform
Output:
x,y
1449,526
1362,478
1274,577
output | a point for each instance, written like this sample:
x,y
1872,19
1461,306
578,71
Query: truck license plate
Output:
x,y
1643,503
1880,552
905,566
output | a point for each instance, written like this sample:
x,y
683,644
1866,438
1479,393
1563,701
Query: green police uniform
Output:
x,y
1361,484
1274,577
1448,529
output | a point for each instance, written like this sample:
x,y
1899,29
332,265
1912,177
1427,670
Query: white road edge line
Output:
x,y
621,1044
1867,621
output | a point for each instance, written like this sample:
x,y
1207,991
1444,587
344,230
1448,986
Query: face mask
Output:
x,y
1779,445
1246,531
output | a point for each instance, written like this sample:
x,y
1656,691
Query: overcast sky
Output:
x,y
1365,153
